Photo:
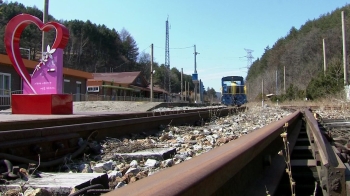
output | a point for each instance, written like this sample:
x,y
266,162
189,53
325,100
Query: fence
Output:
x,y
5,97
5,100
90,97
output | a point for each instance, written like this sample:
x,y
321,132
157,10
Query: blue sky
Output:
x,y
220,29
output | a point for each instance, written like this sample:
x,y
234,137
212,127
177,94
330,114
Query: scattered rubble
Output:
x,y
339,131
132,158
333,114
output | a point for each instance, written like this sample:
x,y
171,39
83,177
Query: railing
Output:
x,y
5,101
90,97
5,97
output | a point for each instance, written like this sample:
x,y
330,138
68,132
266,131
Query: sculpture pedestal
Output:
x,y
42,104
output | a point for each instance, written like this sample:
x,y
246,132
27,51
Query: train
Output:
x,y
233,91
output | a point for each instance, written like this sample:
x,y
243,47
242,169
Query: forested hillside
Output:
x,y
301,53
92,47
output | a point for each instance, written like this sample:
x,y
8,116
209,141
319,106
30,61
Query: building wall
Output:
x,y
74,85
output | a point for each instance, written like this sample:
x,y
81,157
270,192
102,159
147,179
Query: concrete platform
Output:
x,y
110,108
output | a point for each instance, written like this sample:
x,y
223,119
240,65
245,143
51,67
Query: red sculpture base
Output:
x,y
42,104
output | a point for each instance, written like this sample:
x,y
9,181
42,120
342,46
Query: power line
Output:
x,y
174,48
146,48
181,48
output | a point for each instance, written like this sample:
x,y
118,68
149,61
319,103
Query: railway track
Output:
x,y
254,165
295,155
53,139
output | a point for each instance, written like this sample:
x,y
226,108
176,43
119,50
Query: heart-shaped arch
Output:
x,y
13,33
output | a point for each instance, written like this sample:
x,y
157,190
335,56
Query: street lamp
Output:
x,y
27,49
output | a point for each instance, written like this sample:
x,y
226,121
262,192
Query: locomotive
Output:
x,y
233,91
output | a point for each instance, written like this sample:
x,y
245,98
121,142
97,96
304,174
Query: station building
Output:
x,y
84,86
10,82
123,86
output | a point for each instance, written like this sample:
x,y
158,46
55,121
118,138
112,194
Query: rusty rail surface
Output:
x,y
85,117
54,142
226,170
330,168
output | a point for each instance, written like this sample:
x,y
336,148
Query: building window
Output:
x,y
93,89
5,85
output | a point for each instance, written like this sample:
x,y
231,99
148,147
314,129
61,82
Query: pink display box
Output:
x,y
42,104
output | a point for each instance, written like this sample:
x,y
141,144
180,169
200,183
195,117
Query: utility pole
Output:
x,y
324,57
200,90
262,93
151,95
181,84
284,79
276,83
195,59
188,90
344,50
195,80
45,17
185,92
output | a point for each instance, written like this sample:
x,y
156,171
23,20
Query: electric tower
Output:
x,y
249,57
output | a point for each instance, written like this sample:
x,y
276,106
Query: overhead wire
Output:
x,y
175,48
146,48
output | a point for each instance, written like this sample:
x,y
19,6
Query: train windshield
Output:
x,y
232,85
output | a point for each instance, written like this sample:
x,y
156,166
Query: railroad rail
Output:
x,y
292,156
255,165
53,139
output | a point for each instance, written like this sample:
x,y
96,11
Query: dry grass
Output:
x,y
337,100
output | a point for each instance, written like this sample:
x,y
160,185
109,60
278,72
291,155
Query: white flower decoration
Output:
x,y
45,57
49,52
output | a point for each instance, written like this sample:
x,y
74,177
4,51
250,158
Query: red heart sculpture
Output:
x,y
13,33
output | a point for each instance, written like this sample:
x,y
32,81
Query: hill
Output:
x,y
300,53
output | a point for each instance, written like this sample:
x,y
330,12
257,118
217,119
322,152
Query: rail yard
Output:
x,y
276,150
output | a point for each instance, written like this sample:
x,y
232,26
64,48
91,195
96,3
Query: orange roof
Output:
x,y
4,59
117,77
125,78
